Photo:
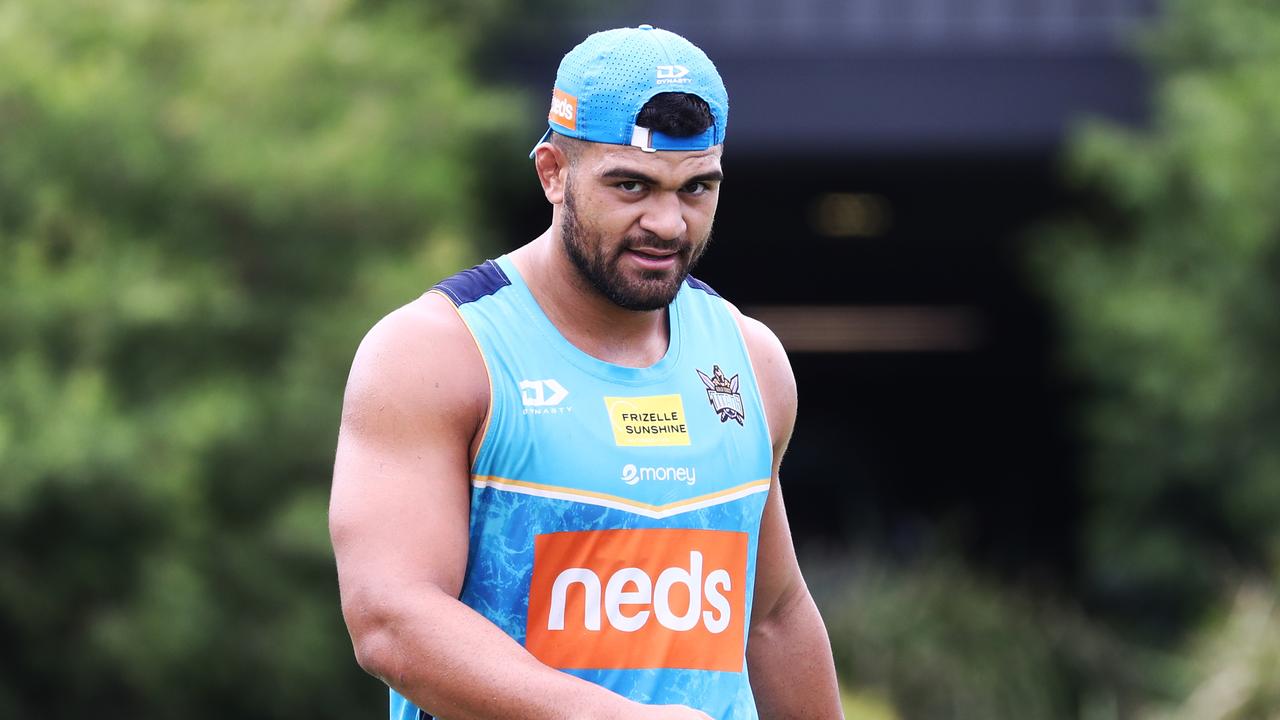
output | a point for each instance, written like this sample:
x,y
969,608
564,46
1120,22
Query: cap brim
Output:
x,y
545,137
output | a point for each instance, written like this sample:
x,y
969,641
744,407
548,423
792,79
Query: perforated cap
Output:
x,y
604,82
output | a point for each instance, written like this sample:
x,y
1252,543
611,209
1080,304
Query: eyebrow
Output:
x,y
622,173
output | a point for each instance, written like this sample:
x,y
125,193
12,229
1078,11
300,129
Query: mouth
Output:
x,y
652,258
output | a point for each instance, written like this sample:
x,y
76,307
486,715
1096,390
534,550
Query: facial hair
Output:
x,y
653,289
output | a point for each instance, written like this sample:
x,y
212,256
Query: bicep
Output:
x,y
399,514
399,507
777,571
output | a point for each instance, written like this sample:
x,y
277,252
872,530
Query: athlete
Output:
x,y
556,489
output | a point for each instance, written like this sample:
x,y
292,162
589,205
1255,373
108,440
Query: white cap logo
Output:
x,y
672,72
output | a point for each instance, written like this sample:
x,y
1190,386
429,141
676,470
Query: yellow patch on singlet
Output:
x,y
649,421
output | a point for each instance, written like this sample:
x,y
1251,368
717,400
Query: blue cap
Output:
x,y
604,82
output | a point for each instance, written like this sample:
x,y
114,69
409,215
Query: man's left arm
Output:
x,y
788,651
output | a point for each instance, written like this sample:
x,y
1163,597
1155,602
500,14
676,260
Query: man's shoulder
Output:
x,y
473,283
427,322
773,373
697,284
419,357
761,342
759,339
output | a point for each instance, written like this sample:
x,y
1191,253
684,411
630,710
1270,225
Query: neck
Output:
x,y
585,317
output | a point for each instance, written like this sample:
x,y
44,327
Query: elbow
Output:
x,y
773,624
373,640
391,631
375,654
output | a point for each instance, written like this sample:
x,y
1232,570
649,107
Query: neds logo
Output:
x,y
647,598
564,109
646,592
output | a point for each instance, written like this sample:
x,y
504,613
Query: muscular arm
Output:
x,y
415,402
788,652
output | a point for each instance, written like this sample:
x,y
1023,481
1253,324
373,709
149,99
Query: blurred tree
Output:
x,y
1170,298
1235,663
941,644
939,640
202,207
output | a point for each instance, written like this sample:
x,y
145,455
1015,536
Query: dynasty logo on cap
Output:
x,y
603,83
669,74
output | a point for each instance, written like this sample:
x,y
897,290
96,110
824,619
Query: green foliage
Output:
x,y
1169,299
203,204
1168,288
1234,665
943,643
865,706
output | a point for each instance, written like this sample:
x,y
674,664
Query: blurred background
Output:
x,y
1025,255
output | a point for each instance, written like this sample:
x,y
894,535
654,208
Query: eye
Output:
x,y
696,188
630,186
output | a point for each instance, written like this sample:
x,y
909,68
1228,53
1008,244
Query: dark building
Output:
x,y
886,161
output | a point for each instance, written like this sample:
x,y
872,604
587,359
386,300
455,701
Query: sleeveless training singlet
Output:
x,y
615,511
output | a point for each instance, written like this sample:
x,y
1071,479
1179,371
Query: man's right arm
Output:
x,y
415,403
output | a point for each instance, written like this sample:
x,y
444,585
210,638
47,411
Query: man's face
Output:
x,y
635,223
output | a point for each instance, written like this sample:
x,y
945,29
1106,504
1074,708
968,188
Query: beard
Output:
x,y
643,291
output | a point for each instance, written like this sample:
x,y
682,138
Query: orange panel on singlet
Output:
x,y
641,598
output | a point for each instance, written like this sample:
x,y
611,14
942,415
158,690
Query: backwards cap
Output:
x,y
604,82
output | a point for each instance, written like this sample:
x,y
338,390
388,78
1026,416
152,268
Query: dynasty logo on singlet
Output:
x,y
645,598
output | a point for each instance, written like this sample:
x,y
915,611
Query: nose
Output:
x,y
664,216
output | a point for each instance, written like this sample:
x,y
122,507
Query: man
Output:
x,y
556,489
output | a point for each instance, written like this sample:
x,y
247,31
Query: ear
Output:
x,y
552,166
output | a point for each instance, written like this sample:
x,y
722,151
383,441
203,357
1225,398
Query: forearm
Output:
x,y
454,663
789,660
